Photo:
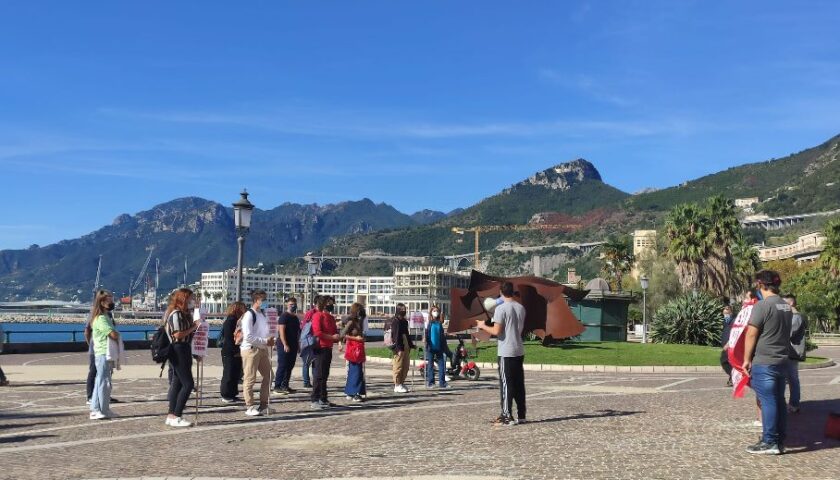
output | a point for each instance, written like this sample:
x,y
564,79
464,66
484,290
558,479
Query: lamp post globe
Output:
x,y
242,210
645,284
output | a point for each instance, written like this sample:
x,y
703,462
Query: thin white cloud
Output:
x,y
585,84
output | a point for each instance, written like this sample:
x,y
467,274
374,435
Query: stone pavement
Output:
x,y
582,425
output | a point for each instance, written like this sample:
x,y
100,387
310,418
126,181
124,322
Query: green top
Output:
x,y
102,327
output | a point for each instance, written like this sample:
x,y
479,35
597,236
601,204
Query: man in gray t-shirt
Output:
x,y
766,351
508,323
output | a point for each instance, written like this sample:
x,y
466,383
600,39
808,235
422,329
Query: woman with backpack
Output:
x,y
231,357
354,338
436,348
180,327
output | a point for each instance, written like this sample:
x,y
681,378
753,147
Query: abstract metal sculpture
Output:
x,y
547,314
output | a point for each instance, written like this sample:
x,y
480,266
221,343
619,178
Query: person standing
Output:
x,y
724,341
402,349
798,327
507,325
256,357
326,334
288,327
354,338
436,349
766,357
4,382
102,329
306,352
231,356
180,327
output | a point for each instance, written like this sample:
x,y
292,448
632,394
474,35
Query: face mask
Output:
x,y
293,308
727,317
263,305
330,308
110,306
758,294
435,314
401,313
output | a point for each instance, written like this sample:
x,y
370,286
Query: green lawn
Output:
x,y
604,353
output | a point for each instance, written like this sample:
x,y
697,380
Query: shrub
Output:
x,y
693,318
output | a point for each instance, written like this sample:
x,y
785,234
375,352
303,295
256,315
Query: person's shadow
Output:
x,y
806,429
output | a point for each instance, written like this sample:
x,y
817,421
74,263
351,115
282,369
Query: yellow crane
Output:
x,y
478,230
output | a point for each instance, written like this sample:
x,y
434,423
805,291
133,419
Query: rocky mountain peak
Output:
x,y
562,176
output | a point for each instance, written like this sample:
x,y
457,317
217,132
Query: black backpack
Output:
x,y
160,345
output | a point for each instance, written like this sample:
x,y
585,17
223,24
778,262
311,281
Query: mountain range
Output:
x,y
201,231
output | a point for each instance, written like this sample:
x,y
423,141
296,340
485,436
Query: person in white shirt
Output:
x,y
256,357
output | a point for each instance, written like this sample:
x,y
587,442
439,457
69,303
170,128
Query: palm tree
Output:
x,y
617,254
830,257
746,264
687,228
723,233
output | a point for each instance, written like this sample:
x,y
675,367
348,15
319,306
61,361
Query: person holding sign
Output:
x,y
256,342
180,328
288,326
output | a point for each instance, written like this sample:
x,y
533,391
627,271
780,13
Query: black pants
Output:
x,y
91,378
181,382
724,363
285,365
231,373
3,376
512,385
321,361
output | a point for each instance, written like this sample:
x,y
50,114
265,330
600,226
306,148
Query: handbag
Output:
x,y
355,351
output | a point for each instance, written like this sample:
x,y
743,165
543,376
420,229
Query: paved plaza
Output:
x,y
582,425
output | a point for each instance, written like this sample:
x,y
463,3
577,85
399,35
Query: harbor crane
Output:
x,y
141,275
479,229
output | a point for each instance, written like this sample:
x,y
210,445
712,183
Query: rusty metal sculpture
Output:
x,y
548,315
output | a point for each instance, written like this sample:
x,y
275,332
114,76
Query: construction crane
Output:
x,y
478,230
142,274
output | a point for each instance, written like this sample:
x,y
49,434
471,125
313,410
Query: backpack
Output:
x,y
238,336
307,339
435,332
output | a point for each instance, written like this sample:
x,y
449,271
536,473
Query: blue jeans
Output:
x,y
100,401
793,381
306,362
441,367
768,381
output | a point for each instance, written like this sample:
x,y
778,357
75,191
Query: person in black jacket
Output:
x,y
231,358
402,349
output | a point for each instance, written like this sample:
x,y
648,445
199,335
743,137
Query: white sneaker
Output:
x,y
179,422
400,389
97,416
168,421
348,397
253,411
757,423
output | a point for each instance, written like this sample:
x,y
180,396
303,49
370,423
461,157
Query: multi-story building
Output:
x,y
418,287
218,290
807,248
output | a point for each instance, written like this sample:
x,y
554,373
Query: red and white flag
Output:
x,y
735,350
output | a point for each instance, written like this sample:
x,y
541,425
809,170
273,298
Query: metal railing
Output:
x,y
76,335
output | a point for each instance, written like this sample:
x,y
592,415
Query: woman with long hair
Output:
x,y
102,329
436,349
231,357
354,338
180,327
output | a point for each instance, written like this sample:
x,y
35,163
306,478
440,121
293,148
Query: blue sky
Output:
x,y
113,107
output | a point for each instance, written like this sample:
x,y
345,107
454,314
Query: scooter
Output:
x,y
460,366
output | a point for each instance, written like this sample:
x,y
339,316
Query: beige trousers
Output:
x,y
400,363
253,361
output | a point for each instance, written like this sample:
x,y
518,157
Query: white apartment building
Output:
x,y
416,286
218,290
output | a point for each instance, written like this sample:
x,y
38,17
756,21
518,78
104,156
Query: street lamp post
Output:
x,y
645,283
242,220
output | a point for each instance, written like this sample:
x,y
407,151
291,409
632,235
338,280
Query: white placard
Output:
x,y
201,335
271,315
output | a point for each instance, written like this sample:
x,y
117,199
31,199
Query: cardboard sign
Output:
x,y
416,320
201,335
735,351
272,316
